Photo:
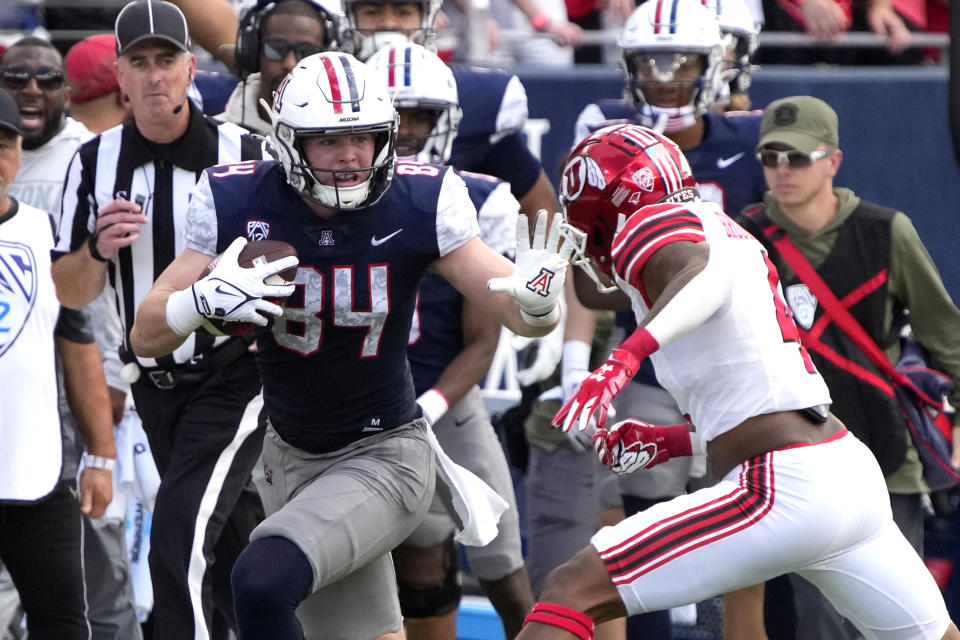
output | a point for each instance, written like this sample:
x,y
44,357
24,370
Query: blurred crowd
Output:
x,y
550,33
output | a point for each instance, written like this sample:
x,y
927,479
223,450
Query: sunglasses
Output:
x,y
771,158
277,50
16,79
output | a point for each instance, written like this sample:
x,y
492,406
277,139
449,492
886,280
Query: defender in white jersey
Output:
x,y
797,493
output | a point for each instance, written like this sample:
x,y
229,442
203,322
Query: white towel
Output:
x,y
134,474
477,507
147,478
139,521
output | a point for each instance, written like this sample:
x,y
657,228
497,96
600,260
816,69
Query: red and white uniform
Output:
x,y
820,510
746,359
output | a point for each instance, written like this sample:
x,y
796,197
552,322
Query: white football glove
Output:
x,y
537,280
579,441
230,292
549,350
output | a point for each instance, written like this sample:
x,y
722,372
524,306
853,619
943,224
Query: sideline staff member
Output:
x,y
122,217
39,515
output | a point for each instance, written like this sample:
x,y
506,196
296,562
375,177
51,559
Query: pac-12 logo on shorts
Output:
x,y
18,290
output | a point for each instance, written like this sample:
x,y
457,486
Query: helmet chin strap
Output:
x,y
340,197
380,40
668,120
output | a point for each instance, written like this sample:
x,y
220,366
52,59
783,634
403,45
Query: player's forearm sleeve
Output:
x,y
690,307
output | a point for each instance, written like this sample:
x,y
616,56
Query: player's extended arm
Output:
x,y
533,284
481,333
90,404
687,283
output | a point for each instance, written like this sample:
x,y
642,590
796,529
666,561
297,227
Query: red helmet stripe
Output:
x,y
656,18
391,61
658,153
672,180
334,84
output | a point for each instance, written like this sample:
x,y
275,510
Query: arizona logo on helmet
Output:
x,y
18,290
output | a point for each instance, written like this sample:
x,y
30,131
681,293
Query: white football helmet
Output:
x,y
328,94
417,79
661,43
740,38
366,43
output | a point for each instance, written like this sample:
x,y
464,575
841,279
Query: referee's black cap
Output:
x,y
9,114
151,19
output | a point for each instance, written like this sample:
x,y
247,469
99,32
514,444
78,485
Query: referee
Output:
x,y
122,219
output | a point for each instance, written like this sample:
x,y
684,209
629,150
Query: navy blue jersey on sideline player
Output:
x,y
436,337
724,164
490,139
334,366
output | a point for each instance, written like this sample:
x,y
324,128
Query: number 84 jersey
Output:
x,y
744,360
334,367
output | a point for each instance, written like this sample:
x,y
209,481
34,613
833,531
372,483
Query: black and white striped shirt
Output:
x,y
121,163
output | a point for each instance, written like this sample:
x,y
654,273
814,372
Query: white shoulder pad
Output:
x,y
201,231
513,110
456,215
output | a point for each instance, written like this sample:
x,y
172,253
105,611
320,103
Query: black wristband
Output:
x,y
92,245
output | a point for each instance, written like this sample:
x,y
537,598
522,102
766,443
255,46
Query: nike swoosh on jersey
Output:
x,y
723,163
376,242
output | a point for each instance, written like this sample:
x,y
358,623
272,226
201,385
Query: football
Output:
x,y
257,252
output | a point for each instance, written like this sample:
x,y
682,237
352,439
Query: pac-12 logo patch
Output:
x,y
643,178
18,290
257,230
803,304
541,283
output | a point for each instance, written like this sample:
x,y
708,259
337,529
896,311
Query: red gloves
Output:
x,y
597,391
633,444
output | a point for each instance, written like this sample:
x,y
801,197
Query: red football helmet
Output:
x,y
616,171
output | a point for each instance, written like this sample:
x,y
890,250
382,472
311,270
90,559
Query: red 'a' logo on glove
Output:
x,y
541,283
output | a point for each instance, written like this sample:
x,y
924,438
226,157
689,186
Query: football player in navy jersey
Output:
x,y
490,139
672,59
349,461
451,348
